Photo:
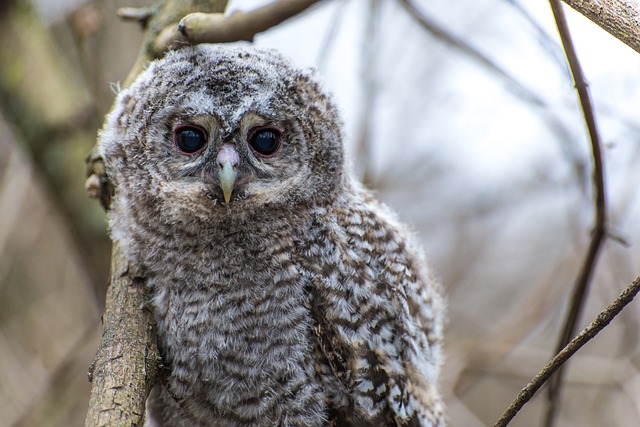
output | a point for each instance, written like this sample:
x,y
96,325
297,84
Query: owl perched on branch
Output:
x,y
284,294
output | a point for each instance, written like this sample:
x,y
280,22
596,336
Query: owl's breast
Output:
x,y
236,335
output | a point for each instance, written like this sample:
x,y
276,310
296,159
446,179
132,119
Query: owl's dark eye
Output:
x,y
189,139
265,141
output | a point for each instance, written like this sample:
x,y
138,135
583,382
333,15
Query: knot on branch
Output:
x,y
98,186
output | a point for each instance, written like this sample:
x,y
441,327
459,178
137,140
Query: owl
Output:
x,y
283,292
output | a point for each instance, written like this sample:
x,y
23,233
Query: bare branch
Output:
x,y
370,91
598,324
599,230
217,28
619,18
330,35
443,34
127,362
167,14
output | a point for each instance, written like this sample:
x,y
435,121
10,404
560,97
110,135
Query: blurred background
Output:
x,y
462,116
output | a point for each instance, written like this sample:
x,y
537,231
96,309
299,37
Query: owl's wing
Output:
x,y
377,324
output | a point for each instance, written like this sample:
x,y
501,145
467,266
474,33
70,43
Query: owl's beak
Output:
x,y
227,177
228,160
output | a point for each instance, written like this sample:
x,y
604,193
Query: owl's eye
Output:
x,y
265,141
189,139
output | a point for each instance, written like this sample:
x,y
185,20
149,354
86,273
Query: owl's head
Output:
x,y
209,131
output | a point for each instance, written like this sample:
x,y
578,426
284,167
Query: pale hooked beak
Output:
x,y
228,160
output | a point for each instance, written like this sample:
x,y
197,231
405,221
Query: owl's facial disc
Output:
x,y
228,160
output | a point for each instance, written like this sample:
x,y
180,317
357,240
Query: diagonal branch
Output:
x,y
620,18
599,230
199,27
218,28
598,324
443,34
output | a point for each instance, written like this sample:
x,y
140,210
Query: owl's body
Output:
x,y
284,294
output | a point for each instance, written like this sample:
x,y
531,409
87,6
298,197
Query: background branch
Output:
x,y
599,229
445,35
136,14
598,324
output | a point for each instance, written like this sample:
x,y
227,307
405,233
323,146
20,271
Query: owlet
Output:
x,y
283,293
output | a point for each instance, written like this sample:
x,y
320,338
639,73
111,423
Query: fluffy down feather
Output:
x,y
302,301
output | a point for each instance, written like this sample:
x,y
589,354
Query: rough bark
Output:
x,y
619,18
127,362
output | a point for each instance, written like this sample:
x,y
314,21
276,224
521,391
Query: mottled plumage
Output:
x,y
283,292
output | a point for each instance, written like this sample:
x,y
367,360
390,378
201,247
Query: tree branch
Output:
x,y
445,35
619,18
599,230
167,14
598,324
127,362
217,28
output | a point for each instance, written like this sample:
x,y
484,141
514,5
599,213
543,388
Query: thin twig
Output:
x,y
599,229
462,46
546,41
598,324
554,122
